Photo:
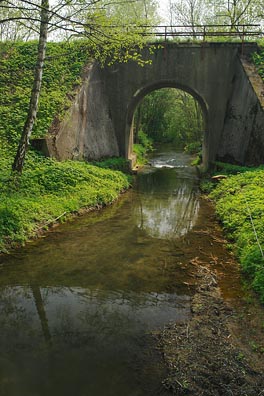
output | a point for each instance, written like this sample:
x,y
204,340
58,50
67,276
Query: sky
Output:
x,y
163,7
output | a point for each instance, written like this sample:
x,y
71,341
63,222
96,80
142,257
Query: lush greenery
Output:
x,y
48,190
240,206
258,59
62,74
115,163
171,115
144,145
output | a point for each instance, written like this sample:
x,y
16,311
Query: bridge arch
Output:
x,y
147,89
99,122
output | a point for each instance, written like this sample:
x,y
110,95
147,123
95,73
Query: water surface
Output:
x,y
78,308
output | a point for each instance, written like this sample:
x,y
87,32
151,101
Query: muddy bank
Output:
x,y
220,349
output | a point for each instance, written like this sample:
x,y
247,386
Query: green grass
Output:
x,y
240,207
47,190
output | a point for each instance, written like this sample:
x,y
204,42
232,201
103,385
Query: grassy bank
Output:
x,y
240,207
48,191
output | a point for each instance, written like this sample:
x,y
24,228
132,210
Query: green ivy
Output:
x,y
63,67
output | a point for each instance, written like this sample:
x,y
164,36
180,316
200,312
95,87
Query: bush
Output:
x,y
115,163
258,59
140,149
193,148
240,207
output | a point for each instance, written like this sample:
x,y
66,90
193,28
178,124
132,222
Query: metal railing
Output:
x,y
201,32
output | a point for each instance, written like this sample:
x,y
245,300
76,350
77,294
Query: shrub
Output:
x,y
240,207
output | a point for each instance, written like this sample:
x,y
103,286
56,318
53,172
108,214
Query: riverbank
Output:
x,y
239,206
219,349
49,192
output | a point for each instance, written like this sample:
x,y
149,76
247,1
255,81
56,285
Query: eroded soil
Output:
x,y
220,349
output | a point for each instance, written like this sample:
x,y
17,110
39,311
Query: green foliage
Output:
x,y
46,190
193,148
143,147
228,169
258,59
62,72
115,163
239,202
171,115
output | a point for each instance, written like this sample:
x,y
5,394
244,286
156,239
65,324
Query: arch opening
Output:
x,y
179,115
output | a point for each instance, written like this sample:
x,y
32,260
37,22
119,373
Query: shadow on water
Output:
x,y
79,307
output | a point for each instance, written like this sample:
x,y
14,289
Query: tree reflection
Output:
x,y
170,213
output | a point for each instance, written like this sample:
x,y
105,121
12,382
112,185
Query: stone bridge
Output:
x,y
218,75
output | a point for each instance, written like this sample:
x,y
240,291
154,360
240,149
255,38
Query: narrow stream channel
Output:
x,y
79,307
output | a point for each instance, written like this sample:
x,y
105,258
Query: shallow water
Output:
x,y
78,308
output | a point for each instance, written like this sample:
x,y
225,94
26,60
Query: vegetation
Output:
x,y
258,59
228,14
62,74
144,145
169,115
47,191
109,43
240,207
115,163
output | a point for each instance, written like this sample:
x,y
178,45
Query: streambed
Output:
x,y
78,308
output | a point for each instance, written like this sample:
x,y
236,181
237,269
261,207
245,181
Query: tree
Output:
x,y
235,12
171,115
227,13
33,106
18,20
188,12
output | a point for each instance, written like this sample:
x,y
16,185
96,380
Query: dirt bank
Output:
x,y
220,349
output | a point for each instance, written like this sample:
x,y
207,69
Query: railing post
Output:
x,y
243,39
165,34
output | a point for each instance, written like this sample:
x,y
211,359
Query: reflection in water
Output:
x,y
168,203
77,309
168,214
100,341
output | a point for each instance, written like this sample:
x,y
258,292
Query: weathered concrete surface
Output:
x,y
87,131
100,121
243,133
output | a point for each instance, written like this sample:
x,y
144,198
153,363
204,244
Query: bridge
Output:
x,y
218,75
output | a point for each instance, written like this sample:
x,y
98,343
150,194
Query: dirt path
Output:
x,y
220,349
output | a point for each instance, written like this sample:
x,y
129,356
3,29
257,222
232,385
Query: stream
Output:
x,y
79,308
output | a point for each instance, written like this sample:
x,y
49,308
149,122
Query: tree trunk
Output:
x,y
19,160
